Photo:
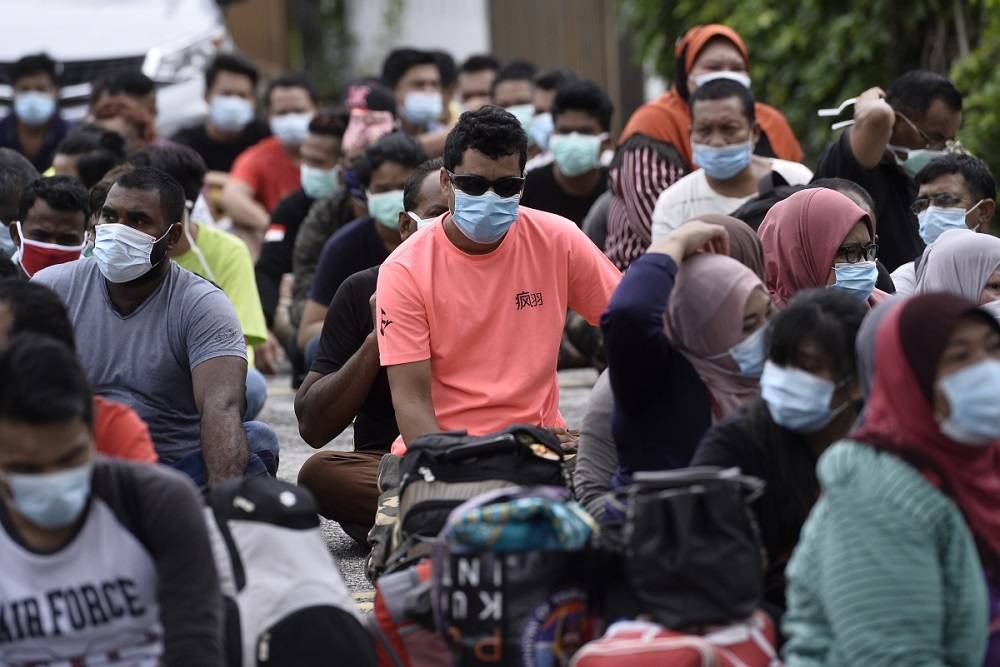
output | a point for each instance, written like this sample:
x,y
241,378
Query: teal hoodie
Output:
x,y
886,571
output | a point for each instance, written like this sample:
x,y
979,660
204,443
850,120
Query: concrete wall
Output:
x,y
457,26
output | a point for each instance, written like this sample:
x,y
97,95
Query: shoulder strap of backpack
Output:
x,y
383,641
769,182
218,498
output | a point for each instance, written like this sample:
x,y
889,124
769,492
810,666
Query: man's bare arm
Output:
x,y
411,398
327,404
240,205
219,389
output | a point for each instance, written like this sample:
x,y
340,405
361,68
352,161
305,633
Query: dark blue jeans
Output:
x,y
262,443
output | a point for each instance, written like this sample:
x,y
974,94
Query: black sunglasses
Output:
x,y
474,185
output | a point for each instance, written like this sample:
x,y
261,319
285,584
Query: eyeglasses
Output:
x,y
855,253
474,185
937,143
940,200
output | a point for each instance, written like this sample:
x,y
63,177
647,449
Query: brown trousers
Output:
x,y
345,487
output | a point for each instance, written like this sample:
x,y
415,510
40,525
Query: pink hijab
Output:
x,y
801,235
705,319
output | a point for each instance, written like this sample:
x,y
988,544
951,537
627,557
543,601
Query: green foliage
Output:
x,y
978,77
321,43
810,54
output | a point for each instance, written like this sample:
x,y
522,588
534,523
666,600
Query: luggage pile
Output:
x,y
491,562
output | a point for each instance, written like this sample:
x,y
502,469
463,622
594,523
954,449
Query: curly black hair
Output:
x,y
491,131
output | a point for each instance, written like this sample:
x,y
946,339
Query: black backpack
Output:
x,y
771,188
440,471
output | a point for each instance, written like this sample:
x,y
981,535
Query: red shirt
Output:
x,y
269,172
120,433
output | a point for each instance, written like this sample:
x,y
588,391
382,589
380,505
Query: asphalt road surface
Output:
x,y
574,390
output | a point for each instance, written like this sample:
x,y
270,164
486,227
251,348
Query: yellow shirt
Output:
x,y
229,266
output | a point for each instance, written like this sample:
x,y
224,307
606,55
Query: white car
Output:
x,y
170,41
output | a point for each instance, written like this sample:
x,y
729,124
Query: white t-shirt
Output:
x,y
692,196
905,279
134,586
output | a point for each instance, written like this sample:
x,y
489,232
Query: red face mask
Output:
x,y
35,255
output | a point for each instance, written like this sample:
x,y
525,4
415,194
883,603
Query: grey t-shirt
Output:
x,y
145,359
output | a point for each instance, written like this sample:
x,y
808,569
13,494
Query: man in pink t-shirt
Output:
x,y
470,310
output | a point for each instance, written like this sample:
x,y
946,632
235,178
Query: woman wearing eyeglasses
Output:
x,y
963,263
819,238
899,561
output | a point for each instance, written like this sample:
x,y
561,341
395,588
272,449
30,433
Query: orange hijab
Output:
x,y
668,117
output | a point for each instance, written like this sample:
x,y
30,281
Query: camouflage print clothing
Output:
x,y
325,217
380,536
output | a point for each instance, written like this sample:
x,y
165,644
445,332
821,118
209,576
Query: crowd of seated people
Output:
x,y
424,253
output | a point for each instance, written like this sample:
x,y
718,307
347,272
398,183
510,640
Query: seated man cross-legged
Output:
x,y
347,383
159,338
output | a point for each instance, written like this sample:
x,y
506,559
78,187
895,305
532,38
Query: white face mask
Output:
x,y
291,128
421,222
124,254
738,77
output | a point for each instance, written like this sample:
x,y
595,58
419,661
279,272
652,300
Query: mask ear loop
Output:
x,y
196,250
974,207
834,412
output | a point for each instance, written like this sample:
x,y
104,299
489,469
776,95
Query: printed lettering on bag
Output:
x,y
528,300
475,606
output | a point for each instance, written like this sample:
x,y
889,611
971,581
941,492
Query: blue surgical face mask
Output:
x,y
422,108
230,113
291,128
723,162
385,207
936,220
576,153
972,396
856,279
797,400
915,159
319,183
484,218
34,108
51,500
749,354
540,129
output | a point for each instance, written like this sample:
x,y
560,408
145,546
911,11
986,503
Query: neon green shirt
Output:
x,y
229,266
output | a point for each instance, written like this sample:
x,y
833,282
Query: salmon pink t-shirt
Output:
x,y
491,324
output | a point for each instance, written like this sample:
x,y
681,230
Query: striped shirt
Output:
x,y
886,571
642,173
